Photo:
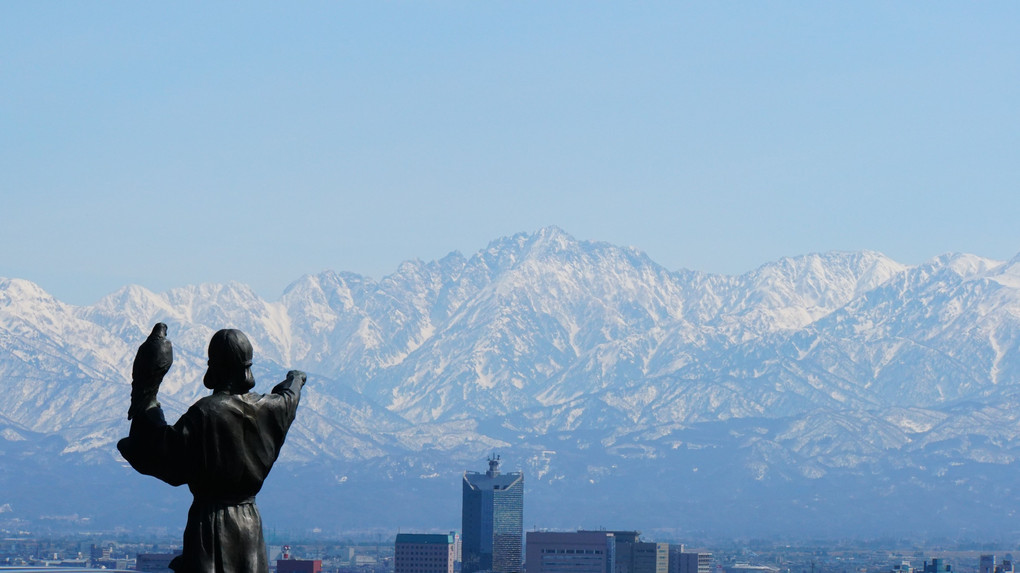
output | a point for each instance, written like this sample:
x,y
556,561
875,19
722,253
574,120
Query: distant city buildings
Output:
x,y
748,568
155,562
682,561
902,567
99,553
571,552
612,552
102,557
424,553
937,566
492,520
298,566
990,564
636,556
986,564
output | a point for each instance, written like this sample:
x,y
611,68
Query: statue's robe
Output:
x,y
223,447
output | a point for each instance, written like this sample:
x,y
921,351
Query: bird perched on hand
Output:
x,y
152,362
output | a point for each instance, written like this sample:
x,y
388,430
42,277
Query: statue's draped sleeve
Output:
x,y
155,448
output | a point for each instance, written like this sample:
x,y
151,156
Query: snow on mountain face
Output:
x,y
808,368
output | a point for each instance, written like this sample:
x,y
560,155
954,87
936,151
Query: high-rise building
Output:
x,y
492,520
571,552
424,553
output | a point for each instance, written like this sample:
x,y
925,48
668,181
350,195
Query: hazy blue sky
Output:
x,y
166,144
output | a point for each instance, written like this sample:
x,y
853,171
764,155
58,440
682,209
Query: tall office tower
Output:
x,y
571,552
424,553
683,561
492,520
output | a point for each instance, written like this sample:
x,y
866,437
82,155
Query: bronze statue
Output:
x,y
223,447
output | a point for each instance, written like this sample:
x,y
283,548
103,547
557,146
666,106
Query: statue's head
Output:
x,y
230,355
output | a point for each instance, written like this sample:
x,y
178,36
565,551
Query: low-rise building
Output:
x,y
684,561
937,566
298,566
155,562
424,553
748,568
570,552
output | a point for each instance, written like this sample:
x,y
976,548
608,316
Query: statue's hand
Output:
x,y
152,362
293,383
296,377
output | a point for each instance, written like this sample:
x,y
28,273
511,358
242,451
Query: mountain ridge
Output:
x,y
587,362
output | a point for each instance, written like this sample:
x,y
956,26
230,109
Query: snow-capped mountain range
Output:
x,y
827,394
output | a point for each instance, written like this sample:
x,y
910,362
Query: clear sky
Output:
x,y
176,143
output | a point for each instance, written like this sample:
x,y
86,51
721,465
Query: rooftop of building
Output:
x,y
492,479
621,536
488,481
425,538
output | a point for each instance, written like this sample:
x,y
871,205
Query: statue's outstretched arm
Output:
x,y
152,362
284,400
153,447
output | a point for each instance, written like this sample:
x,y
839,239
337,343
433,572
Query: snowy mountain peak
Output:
x,y
16,292
961,264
